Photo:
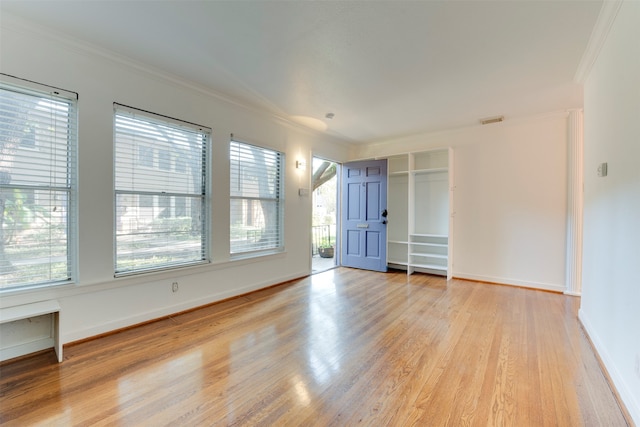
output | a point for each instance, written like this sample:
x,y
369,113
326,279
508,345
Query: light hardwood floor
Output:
x,y
344,347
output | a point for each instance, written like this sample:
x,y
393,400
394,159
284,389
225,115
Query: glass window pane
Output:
x,y
153,236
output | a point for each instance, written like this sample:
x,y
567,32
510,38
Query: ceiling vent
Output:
x,y
489,120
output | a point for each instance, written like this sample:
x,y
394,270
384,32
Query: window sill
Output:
x,y
254,255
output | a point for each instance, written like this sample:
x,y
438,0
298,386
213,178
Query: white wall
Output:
x,y
510,198
611,268
98,302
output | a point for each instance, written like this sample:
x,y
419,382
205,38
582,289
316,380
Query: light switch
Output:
x,y
304,192
602,169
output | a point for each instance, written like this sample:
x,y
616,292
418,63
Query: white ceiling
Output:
x,y
385,68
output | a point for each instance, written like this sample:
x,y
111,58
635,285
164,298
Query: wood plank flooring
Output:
x,y
344,347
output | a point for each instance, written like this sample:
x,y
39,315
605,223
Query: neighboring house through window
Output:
x,y
164,160
145,156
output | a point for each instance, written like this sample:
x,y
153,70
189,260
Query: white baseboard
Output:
x,y
125,322
511,282
630,401
573,294
26,348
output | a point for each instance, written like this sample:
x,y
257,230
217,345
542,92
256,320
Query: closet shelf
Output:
x,y
437,245
427,171
419,192
424,255
439,236
431,266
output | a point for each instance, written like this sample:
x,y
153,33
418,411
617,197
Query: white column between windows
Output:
x,y
575,202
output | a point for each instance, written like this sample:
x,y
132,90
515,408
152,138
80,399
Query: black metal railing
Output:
x,y
321,237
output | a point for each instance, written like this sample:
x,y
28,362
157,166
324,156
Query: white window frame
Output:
x,y
273,245
129,193
66,186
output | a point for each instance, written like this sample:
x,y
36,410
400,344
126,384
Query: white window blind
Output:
x,y
161,209
38,135
256,199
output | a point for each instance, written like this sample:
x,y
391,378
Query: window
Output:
x,y
149,234
38,133
256,199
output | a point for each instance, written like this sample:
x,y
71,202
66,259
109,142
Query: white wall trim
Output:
x,y
630,401
573,293
601,29
510,282
151,315
575,201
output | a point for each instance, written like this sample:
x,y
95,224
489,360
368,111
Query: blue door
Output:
x,y
364,210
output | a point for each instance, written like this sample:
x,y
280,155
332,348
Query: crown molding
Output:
x,y
20,25
601,29
508,122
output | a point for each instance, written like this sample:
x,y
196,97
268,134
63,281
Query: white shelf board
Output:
x,y
437,245
399,242
424,255
427,171
431,266
19,312
398,173
440,236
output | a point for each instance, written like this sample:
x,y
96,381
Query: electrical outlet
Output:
x,y
174,287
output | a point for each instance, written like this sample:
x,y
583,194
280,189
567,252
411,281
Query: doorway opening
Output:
x,y
324,238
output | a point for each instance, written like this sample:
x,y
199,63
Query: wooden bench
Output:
x,y
25,311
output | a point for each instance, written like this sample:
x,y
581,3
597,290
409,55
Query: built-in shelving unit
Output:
x,y
419,200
